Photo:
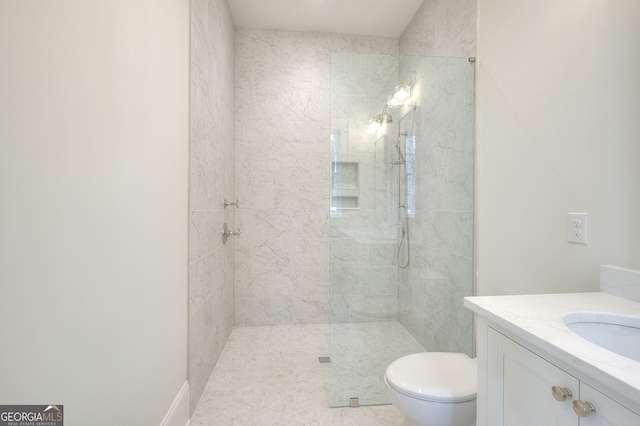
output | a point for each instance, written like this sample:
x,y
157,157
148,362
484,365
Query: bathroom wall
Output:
x,y
282,172
441,28
211,292
558,102
440,274
94,103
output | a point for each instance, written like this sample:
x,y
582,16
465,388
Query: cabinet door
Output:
x,y
519,387
608,412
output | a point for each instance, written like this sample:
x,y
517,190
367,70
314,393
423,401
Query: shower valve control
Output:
x,y
577,228
231,203
226,233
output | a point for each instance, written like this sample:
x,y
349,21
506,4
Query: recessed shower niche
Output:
x,y
345,185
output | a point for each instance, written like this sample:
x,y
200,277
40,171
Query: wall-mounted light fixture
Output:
x,y
399,98
393,102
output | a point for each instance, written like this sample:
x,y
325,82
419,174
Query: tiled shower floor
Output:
x,y
269,376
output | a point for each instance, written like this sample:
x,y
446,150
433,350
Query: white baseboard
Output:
x,y
178,414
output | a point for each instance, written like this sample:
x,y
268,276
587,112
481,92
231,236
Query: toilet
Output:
x,y
434,388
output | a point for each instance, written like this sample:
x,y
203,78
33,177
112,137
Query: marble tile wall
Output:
x,y
282,171
441,28
441,269
211,307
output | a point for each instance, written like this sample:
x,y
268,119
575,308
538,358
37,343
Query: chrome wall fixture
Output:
x,y
230,203
384,117
226,233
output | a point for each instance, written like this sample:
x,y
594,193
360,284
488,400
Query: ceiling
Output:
x,y
386,18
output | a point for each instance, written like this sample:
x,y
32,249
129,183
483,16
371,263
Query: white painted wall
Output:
x,y
93,207
558,124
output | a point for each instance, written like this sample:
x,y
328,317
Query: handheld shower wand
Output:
x,y
401,160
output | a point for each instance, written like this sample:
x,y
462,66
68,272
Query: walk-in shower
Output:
x,y
401,217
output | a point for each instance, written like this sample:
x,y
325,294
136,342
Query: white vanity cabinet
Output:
x,y
524,389
608,411
519,386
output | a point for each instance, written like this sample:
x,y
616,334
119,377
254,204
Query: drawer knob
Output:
x,y
583,408
561,393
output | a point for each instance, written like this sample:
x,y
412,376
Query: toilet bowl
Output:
x,y
434,388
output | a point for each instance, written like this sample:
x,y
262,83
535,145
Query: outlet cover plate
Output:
x,y
577,228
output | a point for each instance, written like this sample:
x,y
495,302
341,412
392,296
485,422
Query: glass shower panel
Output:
x,y
376,216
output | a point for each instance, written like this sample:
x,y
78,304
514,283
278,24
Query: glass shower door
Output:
x,y
378,238
365,333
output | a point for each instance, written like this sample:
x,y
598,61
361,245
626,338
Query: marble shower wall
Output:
x,y
282,173
441,28
441,270
211,307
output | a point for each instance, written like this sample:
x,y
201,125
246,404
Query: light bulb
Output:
x,y
393,102
402,92
372,127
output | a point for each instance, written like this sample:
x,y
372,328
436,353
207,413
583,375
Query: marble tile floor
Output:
x,y
268,376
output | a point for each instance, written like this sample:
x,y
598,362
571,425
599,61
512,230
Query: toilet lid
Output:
x,y
434,376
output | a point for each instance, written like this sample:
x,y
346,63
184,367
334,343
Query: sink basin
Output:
x,y
614,332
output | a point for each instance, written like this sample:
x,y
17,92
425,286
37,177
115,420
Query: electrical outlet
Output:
x,y
577,228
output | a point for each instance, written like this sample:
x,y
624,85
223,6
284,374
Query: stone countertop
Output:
x,y
537,321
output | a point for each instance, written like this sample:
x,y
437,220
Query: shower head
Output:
x,y
384,117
